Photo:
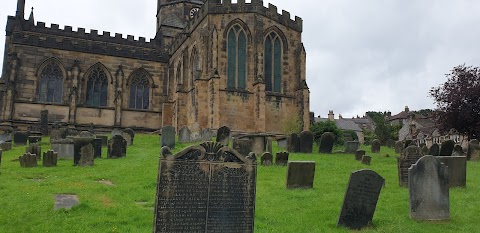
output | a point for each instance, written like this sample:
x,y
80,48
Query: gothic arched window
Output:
x,y
237,58
139,92
273,63
97,88
197,65
51,83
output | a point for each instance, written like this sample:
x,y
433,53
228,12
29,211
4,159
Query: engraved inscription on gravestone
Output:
x,y
409,157
205,188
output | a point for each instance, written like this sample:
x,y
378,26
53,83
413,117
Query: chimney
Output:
x,y
20,9
407,109
331,116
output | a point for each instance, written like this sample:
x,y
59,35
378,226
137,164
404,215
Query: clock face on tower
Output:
x,y
193,11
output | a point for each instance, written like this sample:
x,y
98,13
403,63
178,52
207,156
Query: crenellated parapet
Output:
x,y
227,7
90,42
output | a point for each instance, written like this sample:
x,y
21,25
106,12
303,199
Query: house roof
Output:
x,y
343,124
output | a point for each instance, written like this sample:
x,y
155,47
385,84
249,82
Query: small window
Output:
x,y
97,88
139,92
51,83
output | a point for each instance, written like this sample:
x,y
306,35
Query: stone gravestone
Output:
x,y
376,146
184,135
205,188
306,142
446,149
50,158
359,155
35,149
267,159
104,139
457,170
64,147
116,131
83,151
366,159
351,147
473,151
300,174
243,146
6,146
424,150
409,157
34,139
434,149
44,122
117,147
399,147
269,145
168,137
360,199
6,137
28,160
458,151
282,142
326,143
223,135
206,135
281,158
293,143
1,152
97,147
129,135
20,138
85,134
259,144
428,189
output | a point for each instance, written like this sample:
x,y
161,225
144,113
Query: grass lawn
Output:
x,y
26,195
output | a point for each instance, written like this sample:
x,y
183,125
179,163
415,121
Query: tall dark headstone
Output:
x,y
434,150
409,157
97,148
300,174
266,159
457,170
458,151
293,143
399,147
446,149
117,147
206,188
359,154
360,199
168,137
83,151
223,135
306,142
473,150
104,139
281,158
50,158
28,160
44,122
243,146
366,160
351,147
326,143
429,191
184,135
35,149
376,146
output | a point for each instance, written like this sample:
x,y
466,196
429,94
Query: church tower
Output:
x,y
173,16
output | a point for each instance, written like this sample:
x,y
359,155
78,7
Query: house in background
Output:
x,y
344,124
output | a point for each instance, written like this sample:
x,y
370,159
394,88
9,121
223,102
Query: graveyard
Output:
x,y
118,195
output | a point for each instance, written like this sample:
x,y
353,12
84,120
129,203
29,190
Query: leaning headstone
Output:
x,y
97,147
28,160
104,139
50,158
409,157
376,146
366,159
266,159
184,135
293,143
206,188
281,158
351,147
85,134
117,147
326,143
446,148
243,146
6,146
34,148
129,135
359,154
473,150
44,122
434,150
223,135
360,199
457,170
399,147
168,137
300,174
306,142
428,188
458,151
83,151
64,147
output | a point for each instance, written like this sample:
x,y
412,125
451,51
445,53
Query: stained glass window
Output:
x,y
237,55
139,92
51,83
273,63
97,88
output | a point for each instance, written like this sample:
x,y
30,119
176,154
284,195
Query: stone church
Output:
x,y
212,63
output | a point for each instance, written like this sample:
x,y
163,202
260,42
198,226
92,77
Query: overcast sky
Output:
x,y
370,55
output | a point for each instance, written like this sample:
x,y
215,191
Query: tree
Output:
x,y
458,101
383,130
318,128
292,125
